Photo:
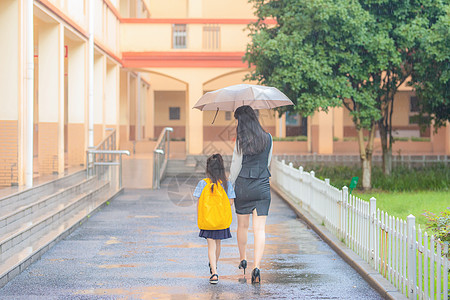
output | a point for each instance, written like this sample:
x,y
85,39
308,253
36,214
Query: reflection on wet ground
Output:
x,y
145,245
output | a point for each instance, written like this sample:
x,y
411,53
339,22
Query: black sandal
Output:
x,y
214,281
210,270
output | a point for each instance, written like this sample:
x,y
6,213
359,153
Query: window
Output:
x,y
228,115
174,113
179,36
211,37
413,104
413,110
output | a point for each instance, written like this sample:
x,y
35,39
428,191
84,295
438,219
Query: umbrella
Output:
x,y
231,97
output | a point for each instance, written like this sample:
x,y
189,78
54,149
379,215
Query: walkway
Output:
x,y
144,245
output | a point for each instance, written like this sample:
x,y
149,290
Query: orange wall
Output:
x,y
76,146
8,152
163,101
48,148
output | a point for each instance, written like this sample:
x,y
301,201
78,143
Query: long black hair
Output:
x,y
250,136
215,171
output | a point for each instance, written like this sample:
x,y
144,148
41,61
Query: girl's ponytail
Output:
x,y
215,170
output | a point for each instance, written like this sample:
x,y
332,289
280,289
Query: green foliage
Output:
x,y
439,224
319,53
436,178
291,138
431,61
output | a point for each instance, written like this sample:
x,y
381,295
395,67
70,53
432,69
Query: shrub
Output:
x,y
420,139
439,224
291,138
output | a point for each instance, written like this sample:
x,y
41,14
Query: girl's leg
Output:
x,y
218,242
212,255
242,232
259,232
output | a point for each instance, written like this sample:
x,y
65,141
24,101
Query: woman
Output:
x,y
250,174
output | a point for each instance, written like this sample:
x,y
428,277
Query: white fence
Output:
x,y
411,260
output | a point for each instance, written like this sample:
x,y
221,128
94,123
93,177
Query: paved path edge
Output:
x,y
375,279
19,268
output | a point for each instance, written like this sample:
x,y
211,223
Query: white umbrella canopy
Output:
x,y
231,97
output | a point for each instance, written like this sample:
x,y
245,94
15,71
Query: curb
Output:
x,y
375,279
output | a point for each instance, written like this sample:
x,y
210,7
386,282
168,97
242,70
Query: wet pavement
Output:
x,y
145,245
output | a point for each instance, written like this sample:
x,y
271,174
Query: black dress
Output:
x,y
252,185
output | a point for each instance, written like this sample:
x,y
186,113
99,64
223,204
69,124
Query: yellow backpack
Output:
x,y
214,209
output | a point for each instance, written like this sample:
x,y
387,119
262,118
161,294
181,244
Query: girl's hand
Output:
x,y
231,201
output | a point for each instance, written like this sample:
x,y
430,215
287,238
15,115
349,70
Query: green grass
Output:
x,y
403,204
402,179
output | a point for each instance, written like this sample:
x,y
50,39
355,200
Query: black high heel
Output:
x,y
243,265
256,276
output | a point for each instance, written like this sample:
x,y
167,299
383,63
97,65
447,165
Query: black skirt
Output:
x,y
215,234
252,193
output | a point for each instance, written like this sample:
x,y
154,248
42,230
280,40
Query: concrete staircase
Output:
x,y
180,166
33,220
192,164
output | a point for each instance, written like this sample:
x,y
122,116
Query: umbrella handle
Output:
x,y
215,116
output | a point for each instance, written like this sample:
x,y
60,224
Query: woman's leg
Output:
x,y
242,231
259,232
217,250
212,255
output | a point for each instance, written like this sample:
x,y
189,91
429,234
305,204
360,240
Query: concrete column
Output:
x,y
150,120
99,98
139,104
440,139
338,123
51,98
132,106
111,98
325,133
309,134
123,108
61,102
77,99
194,126
280,126
447,138
12,134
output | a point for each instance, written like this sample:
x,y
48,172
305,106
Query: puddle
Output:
x,y
113,241
143,217
117,266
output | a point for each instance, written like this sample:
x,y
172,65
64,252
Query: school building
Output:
x,y
71,69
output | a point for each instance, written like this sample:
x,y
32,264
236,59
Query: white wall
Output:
x,y
9,59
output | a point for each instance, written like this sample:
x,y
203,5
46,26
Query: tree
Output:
x,y
409,26
431,63
322,54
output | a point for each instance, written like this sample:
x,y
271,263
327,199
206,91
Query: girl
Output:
x,y
214,210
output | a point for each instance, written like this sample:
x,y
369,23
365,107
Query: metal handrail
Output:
x,y
160,156
104,154
110,153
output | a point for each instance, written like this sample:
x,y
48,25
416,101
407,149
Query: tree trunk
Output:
x,y
365,153
367,173
386,148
